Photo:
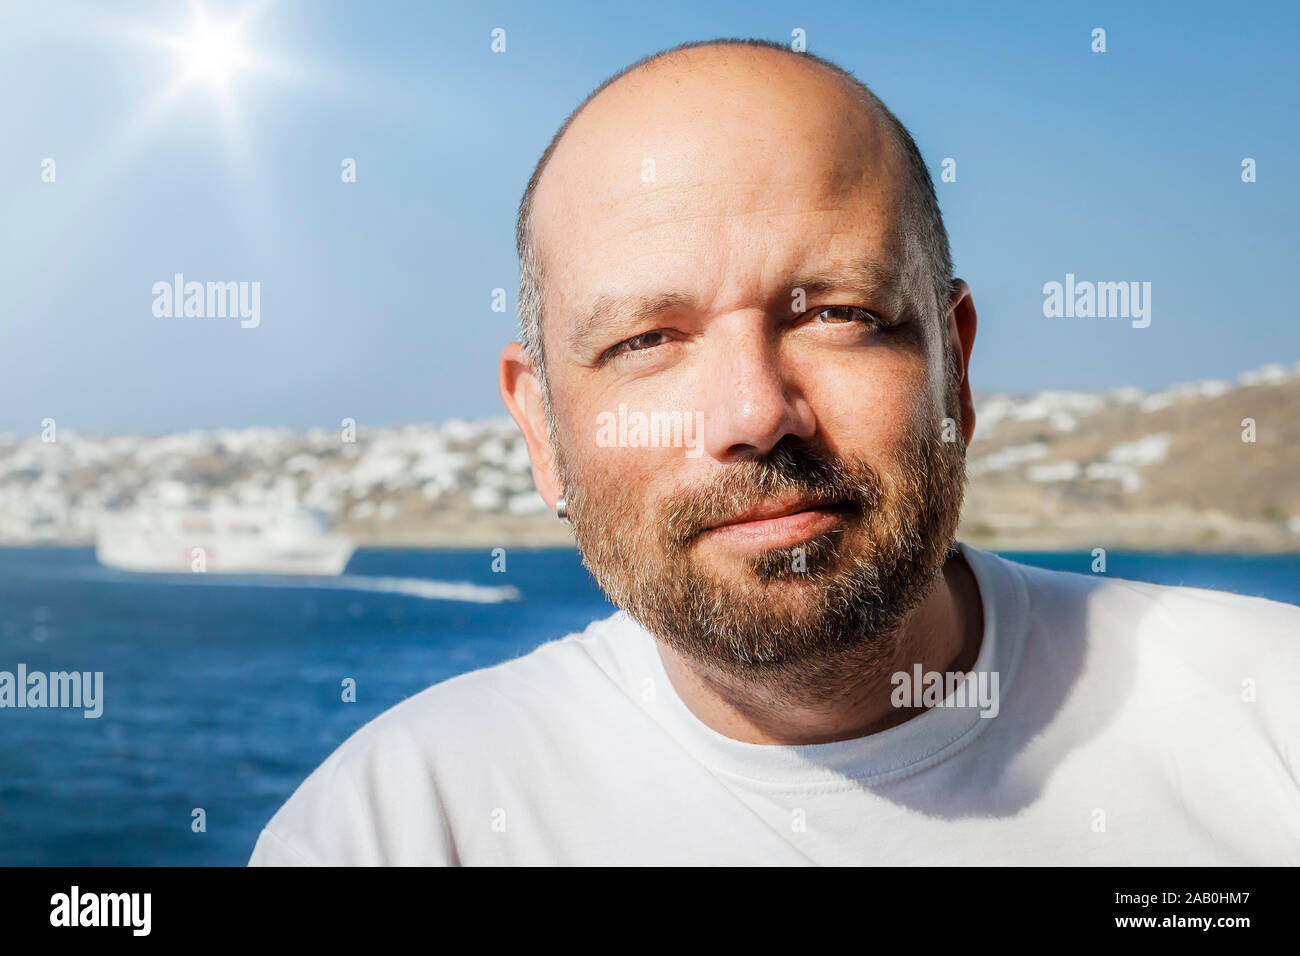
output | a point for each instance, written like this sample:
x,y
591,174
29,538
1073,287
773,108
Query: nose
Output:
x,y
750,402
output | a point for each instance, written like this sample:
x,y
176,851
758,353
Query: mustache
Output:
x,y
790,467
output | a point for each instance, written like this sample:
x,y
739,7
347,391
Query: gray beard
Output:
x,y
851,589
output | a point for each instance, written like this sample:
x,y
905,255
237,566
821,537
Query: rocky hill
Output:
x,y
1212,465
1207,466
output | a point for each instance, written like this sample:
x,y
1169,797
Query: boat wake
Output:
x,y
423,588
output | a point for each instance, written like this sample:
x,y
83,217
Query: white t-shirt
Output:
x,y
1136,724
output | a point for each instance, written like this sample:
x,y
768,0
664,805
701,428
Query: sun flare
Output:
x,y
213,53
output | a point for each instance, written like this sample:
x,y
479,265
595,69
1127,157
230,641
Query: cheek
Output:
x,y
605,451
870,407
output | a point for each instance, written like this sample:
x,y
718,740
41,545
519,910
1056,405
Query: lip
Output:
x,y
779,522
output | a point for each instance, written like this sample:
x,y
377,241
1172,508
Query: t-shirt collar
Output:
x,y
901,750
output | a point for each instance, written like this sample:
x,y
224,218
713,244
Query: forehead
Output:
x,y
719,170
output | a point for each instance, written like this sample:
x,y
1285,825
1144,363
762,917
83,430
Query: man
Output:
x,y
804,667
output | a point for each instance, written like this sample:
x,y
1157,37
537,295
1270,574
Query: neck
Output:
x,y
851,698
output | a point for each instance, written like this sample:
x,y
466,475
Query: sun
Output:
x,y
223,56
213,53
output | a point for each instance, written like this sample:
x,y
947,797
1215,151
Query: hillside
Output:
x,y
1056,470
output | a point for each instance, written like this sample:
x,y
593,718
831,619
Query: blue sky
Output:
x,y
376,295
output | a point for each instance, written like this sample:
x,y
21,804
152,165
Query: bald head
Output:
x,y
739,389
704,128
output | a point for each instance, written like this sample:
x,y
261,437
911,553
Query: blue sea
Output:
x,y
223,695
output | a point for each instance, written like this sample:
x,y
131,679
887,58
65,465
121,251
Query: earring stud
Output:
x,y
562,508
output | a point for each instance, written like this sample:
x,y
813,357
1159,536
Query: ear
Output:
x,y
522,393
961,338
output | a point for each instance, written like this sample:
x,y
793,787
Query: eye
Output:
x,y
639,343
846,315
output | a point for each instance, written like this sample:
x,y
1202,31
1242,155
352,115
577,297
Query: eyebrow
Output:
x,y
622,310
864,276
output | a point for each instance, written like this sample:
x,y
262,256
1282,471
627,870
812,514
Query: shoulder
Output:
x,y
1188,609
1189,614
1177,643
402,770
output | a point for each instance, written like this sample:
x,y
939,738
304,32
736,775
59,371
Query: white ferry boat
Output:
x,y
222,540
